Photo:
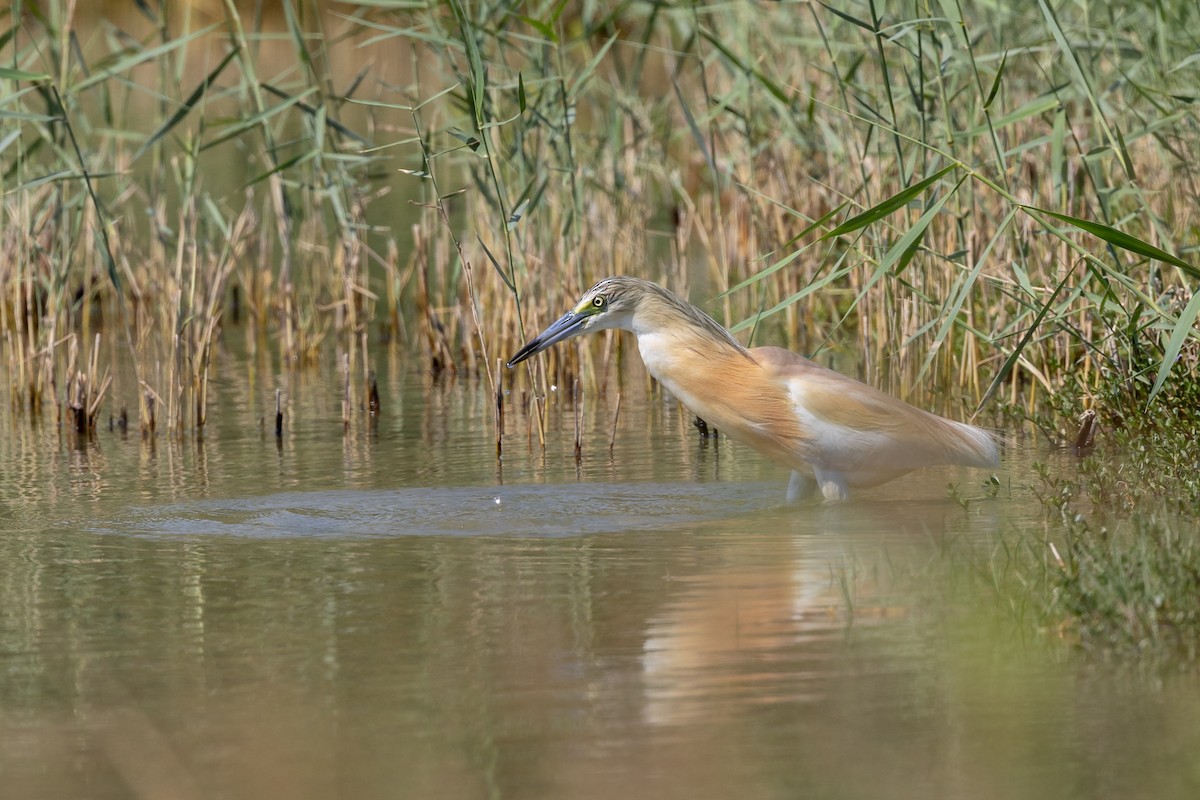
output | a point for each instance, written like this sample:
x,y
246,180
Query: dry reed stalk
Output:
x,y
345,393
84,390
172,391
202,365
392,283
368,375
537,420
374,408
499,412
72,357
612,439
147,410
440,356
577,409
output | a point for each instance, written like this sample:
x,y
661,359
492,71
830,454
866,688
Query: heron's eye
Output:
x,y
598,301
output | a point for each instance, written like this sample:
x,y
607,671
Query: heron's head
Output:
x,y
609,304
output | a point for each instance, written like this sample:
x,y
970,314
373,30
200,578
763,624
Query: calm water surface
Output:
x,y
393,612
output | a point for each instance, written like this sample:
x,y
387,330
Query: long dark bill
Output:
x,y
564,327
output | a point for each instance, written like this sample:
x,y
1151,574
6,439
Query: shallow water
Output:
x,y
392,611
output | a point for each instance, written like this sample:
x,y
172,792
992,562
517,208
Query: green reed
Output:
x,y
956,193
981,198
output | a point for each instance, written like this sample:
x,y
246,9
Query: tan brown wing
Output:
x,y
857,428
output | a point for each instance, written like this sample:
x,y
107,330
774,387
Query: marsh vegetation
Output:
x,y
983,207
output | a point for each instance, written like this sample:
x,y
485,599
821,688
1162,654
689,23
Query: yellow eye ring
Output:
x,y
598,302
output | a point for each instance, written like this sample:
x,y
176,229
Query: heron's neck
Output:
x,y
664,313
669,341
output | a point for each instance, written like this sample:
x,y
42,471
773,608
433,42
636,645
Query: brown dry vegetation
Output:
x,y
345,178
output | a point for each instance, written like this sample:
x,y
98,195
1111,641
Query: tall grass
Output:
x,y
977,201
155,179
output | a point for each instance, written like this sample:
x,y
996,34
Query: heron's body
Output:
x,y
833,431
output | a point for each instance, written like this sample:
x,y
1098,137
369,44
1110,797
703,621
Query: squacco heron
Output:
x,y
834,432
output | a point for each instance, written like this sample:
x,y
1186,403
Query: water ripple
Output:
x,y
530,510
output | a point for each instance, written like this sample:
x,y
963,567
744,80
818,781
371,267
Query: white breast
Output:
x,y
655,349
